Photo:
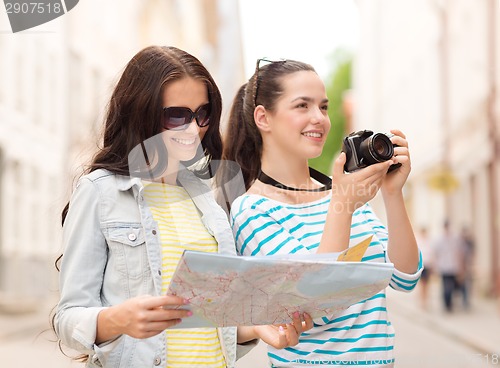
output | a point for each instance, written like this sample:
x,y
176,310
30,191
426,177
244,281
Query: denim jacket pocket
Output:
x,y
127,247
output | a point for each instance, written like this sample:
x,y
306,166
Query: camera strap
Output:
x,y
315,174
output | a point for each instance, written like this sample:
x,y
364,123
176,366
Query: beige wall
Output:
x,y
399,83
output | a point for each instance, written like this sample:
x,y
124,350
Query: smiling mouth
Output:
x,y
185,142
313,134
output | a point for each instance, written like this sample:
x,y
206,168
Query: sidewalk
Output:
x,y
17,320
478,328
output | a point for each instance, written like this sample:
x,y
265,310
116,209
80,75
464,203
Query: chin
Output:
x,y
185,157
180,153
314,154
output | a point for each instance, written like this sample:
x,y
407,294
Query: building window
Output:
x,y
39,96
3,56
52,87
14,209
75,88
19,82
2,167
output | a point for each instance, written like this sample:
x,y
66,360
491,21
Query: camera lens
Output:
x,y
377,148
381,147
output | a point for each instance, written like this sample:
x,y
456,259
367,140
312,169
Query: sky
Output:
x,y
305,30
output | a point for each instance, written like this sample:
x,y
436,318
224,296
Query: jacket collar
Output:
x,y
185,177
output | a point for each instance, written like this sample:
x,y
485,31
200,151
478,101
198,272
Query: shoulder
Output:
x,y
249,202
102,182
255,207
97,177
87,195
99,174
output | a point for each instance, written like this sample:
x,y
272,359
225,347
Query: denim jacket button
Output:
x,y
132,237
157,361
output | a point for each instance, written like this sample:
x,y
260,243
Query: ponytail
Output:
x,y
242,141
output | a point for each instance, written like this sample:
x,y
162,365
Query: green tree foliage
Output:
x,y
336,84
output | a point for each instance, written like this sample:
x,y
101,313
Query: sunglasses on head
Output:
x,y
179,118
260,63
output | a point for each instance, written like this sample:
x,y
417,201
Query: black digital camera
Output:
x,y
364,148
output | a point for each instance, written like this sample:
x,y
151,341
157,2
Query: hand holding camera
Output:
x,y
364,148
376,155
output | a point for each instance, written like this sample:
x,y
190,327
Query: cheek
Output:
x,y
165,137
202,134
328,126
293,121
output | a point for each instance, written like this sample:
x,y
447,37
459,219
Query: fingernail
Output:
x,y
296,315
189,314
281,329
186,301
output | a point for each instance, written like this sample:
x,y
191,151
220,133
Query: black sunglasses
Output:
x,y
179,118
263,61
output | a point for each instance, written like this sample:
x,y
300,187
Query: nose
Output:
x,y
318,115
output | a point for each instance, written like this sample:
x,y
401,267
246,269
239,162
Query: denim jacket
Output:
x,y
112,253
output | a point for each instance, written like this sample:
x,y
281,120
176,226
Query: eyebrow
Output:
x,y
308,99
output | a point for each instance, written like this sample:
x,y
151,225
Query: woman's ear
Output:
x,y
261,119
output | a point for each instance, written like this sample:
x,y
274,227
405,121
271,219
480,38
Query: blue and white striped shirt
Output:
x,y
361,335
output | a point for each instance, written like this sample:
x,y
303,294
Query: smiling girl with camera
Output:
x,y
278,121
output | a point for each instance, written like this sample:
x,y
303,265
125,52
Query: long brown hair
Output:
x,y
243,141
134,111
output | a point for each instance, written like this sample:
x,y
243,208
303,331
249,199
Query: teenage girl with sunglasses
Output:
x,y
278,121
133,214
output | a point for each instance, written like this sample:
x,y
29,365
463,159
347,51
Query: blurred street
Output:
x,y
429,338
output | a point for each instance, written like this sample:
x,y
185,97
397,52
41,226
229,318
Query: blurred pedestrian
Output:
x,y
468,267
278,121
425,246
133,214
449,250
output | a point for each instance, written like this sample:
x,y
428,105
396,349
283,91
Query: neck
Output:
x,y
293,173
170,174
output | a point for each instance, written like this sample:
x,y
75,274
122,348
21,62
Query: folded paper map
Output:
x,y
226,290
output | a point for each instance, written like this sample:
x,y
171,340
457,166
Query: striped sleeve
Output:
x,y
400,281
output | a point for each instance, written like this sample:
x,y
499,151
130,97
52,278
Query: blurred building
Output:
x,y
55,82
432,69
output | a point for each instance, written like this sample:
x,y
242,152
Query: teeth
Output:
x,y
184,141
311,134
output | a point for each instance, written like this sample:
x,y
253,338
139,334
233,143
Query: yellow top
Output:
x,y
181,228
